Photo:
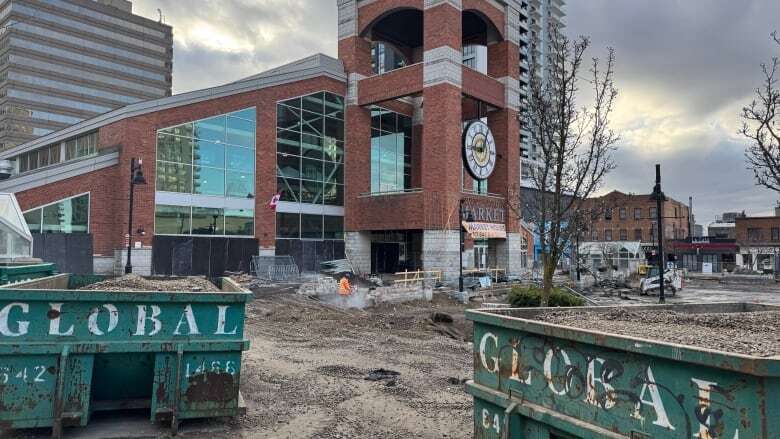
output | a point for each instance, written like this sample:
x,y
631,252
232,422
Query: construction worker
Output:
x,y
344,288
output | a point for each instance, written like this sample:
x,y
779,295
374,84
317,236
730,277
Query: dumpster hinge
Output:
x,y
59,403
177,390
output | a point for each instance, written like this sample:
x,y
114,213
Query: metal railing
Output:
x,y
275,268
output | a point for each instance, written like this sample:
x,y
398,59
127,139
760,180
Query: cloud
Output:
x,y
684,69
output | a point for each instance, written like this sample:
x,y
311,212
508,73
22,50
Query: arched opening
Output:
x,y
478,32
396,40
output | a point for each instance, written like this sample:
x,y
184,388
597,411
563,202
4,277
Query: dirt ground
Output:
x,y
305,374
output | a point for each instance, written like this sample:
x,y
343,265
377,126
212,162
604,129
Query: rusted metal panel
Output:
x,y
595,385
65,354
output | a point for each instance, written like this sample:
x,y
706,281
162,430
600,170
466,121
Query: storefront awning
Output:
x,y
485,230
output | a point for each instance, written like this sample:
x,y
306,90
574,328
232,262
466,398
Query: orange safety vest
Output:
x,y
344,288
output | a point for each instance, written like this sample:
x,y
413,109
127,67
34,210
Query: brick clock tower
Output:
x,y
431,138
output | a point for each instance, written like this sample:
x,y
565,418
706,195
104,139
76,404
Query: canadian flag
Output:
x,y
275,201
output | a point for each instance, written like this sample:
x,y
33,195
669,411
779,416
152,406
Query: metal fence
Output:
x,y
275,268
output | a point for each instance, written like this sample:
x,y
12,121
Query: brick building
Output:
x,y
428,140
631,217
758,239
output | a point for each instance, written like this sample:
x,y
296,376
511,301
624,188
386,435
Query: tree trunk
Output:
x,y
547,286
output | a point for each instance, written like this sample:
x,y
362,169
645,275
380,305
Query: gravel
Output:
x,y
134,282
756,333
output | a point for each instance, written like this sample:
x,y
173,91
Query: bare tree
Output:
x,y
574,145
761,124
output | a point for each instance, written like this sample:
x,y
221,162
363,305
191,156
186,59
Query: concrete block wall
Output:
x,y
141,259
103,265
441,250
509,254
358,249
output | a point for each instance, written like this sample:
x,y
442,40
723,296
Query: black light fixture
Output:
x,y
136,177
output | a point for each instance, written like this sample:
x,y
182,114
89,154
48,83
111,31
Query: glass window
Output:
x,y
333,150
241,159
311,146
184,130
638,213
240,185
314,103
608,215
334,128
288,118
172,220
288,142
623,213
334,172
386,58
312,123
241,132
207,221
289,188
239,222
390,154
311,191
334,106
311,169
653,213
311,227
288,225
249,114
288,166
638,234
174,177
67,216
33,219
334,194
623,235
334,227
293,103
608,235
208,181
211,129
208,154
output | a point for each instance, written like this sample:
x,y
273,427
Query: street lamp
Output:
x,y
659,198
462,243
136,177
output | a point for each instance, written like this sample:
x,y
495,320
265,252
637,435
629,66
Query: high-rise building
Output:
x,y
64,61
541,17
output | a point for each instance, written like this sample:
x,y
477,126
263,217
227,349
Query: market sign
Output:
x,y
485,230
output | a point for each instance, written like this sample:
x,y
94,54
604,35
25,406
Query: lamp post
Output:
x,y
659,198
136,177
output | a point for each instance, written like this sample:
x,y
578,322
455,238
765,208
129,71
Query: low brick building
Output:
x,y
375,155
758,239
617,216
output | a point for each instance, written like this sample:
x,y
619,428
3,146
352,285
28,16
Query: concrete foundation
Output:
x,y
441,250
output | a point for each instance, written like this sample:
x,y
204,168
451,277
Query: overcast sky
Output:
x,y
684,70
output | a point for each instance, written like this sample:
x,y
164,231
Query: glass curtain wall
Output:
x,y
391,151
213,157
310,149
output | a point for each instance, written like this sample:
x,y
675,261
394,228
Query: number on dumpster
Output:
x,y
25,375
488,423
213,367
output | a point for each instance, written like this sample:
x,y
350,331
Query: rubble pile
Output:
x,y
755,333
134,282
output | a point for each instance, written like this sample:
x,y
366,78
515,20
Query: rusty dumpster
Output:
x,y
65,353
534,379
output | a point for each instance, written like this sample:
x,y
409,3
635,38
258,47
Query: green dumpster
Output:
x,y
65,353
10,274
538,380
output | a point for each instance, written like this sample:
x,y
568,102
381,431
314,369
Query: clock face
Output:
x,y
479,150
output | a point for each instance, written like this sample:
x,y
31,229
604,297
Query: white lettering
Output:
x,y
705,402
54,323
142,318
191,324
594,378
222,321
482,350
23,326
113,319
655,401
548,371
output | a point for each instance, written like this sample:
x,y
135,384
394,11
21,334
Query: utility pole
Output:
x,y
660,198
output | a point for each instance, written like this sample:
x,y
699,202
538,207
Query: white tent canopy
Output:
x,y
611,247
